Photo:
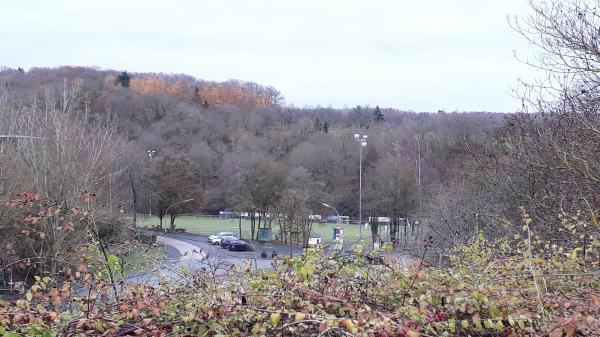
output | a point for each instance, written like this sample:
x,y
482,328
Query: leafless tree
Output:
x,y
55,153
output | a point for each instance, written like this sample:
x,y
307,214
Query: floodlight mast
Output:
x,y
336,212
362,139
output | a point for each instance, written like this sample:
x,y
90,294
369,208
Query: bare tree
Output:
x,y
172,180
66,162
258,189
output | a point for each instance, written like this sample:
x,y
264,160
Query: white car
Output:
x,y
216,239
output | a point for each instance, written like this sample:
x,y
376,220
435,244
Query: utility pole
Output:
x,y
363,143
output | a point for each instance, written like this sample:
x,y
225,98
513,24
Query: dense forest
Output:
x,y
237,146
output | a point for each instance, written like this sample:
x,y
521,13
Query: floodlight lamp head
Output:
x,y
356,135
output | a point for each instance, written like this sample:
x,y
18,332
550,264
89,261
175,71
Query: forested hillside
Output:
x,y
188,138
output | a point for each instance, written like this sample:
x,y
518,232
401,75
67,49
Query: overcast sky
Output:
x,y
420,55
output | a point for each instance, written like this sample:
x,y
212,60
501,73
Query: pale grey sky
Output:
x,y
422,55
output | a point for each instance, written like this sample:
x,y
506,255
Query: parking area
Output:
x,y
195,253
218,252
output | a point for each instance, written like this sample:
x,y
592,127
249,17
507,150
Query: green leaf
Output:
x,y
275,318
256,328
499,325
478,325
202,331
452,325
464,324
29,296
521,324
488,323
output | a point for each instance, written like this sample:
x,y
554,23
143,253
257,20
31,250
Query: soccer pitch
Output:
x,y
209,225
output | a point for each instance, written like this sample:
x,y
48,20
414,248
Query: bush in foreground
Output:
x,y
518,286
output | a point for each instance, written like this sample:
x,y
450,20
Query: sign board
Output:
x,y
338,234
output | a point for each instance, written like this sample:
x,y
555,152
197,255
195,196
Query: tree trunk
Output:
x,y
240,225
252,225
394,228
307,229
134,199
405,232
260,215
374,229
173,215
281,233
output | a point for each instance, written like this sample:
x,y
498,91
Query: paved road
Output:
x,y
215,251
196,253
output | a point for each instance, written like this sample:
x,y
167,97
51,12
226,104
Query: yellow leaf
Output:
x,y
412,333
452,325
570,331
349,325
275,318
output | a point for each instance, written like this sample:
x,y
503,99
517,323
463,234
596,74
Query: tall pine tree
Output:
x,y
124,78
378,116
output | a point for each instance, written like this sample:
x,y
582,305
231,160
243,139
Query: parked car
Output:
x,y
241,246
216,239
226,240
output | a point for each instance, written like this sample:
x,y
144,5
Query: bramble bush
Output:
x,y
517,286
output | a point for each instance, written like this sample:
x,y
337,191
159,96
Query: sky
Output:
x,y
420,55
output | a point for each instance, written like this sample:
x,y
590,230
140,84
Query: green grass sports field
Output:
x,y
209,225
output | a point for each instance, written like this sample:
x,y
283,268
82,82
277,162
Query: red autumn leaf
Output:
x,y
69,226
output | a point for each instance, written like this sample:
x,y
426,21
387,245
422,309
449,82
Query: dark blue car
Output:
x,y
240,246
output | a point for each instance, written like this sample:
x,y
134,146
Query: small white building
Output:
x,y
314,240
